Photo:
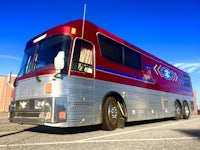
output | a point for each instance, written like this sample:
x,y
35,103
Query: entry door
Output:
x,y
82,77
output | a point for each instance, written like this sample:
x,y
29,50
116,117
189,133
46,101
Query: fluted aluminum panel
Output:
x,y
84,98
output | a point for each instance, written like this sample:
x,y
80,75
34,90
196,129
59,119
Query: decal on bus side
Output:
x,y
165,73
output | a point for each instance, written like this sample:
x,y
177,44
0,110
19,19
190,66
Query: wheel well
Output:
x,y
118,98
184,101
177,100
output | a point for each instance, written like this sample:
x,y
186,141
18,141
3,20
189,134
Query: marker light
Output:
x,y
39,38
48,88
73,31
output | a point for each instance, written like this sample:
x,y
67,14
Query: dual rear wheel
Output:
x,y
181,112
186,111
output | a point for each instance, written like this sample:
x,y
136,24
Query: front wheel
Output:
x,y
110,114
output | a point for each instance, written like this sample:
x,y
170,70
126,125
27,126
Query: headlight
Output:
x,y
39,104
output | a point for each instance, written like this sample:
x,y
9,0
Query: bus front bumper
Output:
x,y
45,111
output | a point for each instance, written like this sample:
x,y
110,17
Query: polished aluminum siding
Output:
x,y
85,96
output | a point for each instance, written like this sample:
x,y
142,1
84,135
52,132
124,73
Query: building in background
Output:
x,y
6,91
196,105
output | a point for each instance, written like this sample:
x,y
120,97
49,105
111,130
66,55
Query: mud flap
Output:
x,y
122,117
121,122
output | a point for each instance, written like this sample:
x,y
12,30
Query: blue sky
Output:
x,y
168,29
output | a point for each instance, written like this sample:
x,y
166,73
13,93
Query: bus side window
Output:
x,y
83,57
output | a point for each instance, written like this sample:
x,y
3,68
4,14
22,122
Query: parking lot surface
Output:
x,y
151,135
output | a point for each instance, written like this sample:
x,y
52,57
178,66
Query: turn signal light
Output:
x,y
62,115
48,115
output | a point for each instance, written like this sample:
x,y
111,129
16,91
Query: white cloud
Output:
x,y
188,67
10,57
179,64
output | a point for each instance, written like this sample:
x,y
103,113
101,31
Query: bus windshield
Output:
x,y
43,53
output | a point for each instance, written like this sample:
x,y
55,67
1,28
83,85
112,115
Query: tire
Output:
x,y
110,114
178,111
186,111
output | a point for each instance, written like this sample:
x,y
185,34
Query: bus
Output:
x,y
78,74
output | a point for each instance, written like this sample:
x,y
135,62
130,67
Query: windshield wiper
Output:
x,y
35,67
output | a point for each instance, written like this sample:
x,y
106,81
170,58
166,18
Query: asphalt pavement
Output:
x,y
161,134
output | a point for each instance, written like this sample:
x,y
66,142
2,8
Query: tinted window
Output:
x,y
27,61
110,49
132,58
43,53
117,52
186,80
49,48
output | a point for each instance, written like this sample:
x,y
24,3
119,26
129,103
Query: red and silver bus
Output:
x,y
70,77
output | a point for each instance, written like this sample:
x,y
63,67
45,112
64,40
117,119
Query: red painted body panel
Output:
x,y
156,74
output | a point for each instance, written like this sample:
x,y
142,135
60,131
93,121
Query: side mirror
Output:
x,y
59,62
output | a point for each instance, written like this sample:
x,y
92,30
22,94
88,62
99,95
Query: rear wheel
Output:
x,y
110,114
186,111
178,111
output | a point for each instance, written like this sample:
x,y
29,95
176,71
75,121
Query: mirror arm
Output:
x,y
55,75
